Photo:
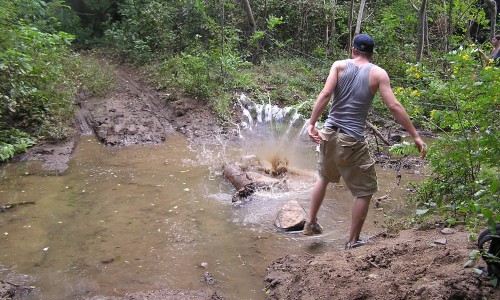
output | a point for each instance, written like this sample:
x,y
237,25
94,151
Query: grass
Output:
x,y
96,76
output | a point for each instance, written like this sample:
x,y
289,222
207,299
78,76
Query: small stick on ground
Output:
x,y
377,133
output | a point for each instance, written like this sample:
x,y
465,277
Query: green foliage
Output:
x,y
222,105
32,86
35,89
70,22
35,13
464,187
189,72
13,141
394,26
403,149
207,72
289,81
203,73
145,29
260,36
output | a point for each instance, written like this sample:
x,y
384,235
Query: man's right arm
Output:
x,y
397,110
322,102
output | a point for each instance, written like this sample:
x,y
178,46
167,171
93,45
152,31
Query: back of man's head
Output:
x,y
364,44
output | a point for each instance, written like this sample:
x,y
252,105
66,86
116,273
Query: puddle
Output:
x,y
148,217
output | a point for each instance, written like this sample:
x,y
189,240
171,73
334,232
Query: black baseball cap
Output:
x,y
364,43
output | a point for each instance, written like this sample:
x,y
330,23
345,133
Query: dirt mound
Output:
x,y
413,265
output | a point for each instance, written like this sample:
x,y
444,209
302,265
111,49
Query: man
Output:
x,y
495,54
343,151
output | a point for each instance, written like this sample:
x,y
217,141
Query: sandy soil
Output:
x,y
413,264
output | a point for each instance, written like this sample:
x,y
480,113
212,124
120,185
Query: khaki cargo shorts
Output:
x,y
343,156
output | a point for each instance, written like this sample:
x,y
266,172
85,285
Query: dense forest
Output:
x,y
271,49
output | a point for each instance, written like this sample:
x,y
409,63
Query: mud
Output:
x,y
415,264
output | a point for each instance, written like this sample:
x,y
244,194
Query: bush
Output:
x,y
464,186
36,90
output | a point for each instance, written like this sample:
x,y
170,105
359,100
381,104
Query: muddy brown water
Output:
x,y
153,217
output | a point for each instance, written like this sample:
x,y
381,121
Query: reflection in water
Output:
x,y
151,217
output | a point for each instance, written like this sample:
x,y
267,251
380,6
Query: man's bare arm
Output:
x,y
397,110
322,102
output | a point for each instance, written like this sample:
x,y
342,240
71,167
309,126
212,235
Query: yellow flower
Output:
x,y
491,61
465,57
417,75
400,90
415,93
455,70
487,68
433,112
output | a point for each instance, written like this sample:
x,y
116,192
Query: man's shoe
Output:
x,y
312,229
357,244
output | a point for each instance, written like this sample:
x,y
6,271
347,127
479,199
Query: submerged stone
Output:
x,y
292,216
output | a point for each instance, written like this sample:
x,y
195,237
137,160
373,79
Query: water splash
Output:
x,y
269,131
266,120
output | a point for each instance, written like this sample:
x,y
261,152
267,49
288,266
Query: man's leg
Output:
x,y
359,212
317,196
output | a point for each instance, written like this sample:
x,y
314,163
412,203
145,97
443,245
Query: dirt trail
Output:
x,y
137,114
411,265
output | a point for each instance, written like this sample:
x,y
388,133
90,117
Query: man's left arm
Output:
x,y
398,111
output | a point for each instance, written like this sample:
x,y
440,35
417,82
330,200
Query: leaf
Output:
x,y
470,263
421,212
478,271
479,193
494,282
474,254
492,225
494,186
451,221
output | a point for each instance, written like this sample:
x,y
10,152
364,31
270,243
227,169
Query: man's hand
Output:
x,y
421,146
313,133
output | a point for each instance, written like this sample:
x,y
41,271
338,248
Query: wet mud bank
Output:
x,y
133,114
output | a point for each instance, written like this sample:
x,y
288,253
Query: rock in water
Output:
x,y
292,216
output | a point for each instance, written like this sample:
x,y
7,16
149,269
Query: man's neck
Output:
x,y
360,60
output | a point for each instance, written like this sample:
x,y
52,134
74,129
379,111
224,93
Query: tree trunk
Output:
x,y
426,35
360,17
333,31
244,186
327,30
251,20
247,181
351,12
421,30
449,26
492,7
330,29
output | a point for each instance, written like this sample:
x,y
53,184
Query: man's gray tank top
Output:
x,y
351,101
